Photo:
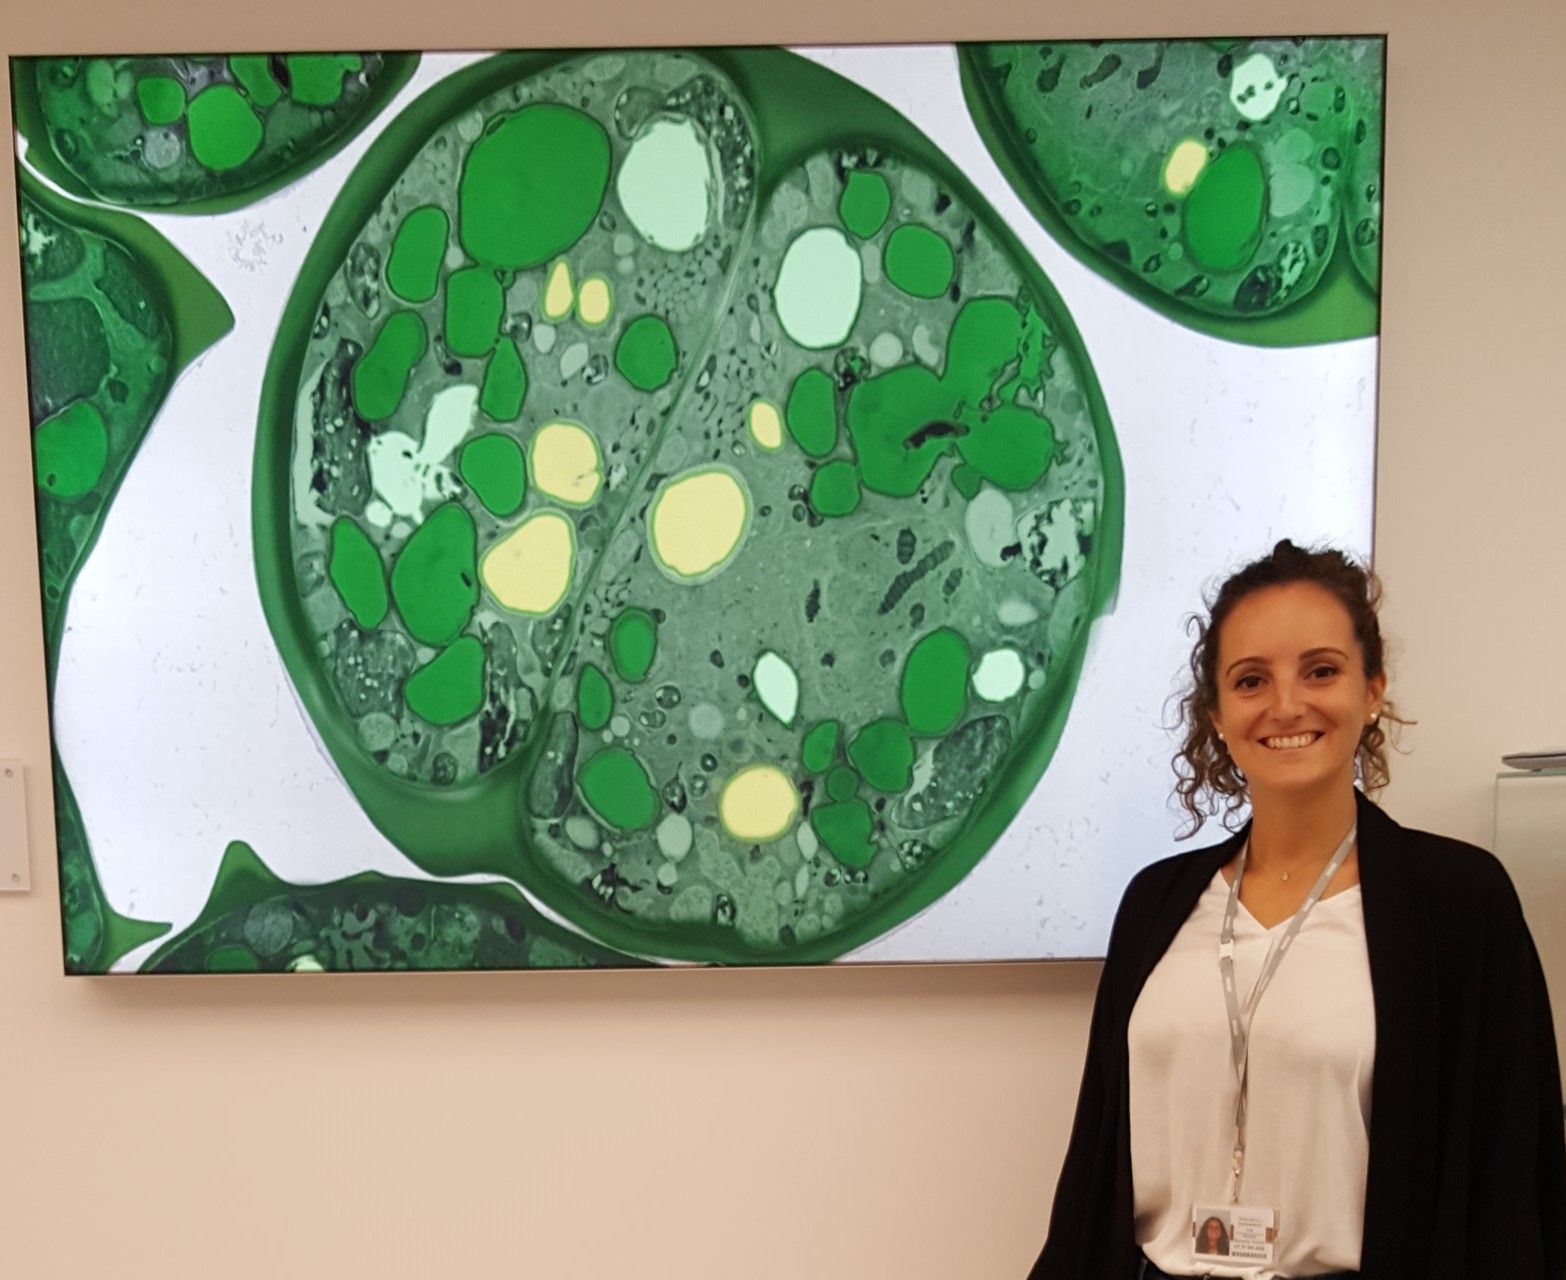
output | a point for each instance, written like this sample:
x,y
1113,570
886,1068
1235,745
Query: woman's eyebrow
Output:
x,y
1323,651
1240,662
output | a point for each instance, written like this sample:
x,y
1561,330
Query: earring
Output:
x,y
1221,738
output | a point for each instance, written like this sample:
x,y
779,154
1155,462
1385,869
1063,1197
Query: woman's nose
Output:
x,y
1287,699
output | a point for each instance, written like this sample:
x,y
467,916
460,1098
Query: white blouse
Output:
x,y
1312,1049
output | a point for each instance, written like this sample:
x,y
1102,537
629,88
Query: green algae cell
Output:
x,y
70,451
493,467
883,753
865,203
820,746
633,644
356,571
380,379
505,383
834,489
1224,212
195,135
919,262
413,270
845,828
646,354
594,698
434,581
615,783
811,413
474,303
934,690
450,688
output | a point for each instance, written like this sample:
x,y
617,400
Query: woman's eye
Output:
x,y
1248,682
1324,672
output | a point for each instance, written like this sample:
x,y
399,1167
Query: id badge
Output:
x,y
1233,1233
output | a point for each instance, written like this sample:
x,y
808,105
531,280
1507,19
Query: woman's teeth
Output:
x,y
1290,743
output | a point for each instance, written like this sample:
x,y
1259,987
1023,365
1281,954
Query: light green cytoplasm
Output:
x,y
819,288
665,185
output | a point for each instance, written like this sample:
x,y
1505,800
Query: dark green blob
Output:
x,y
381,377
254,73
233,960
1011,447
967,481
901,423
450,687
531,186
844,828
316,79
224,130
919,262
505,383
842,783
67,351
594,698
865,203
493,467
161,99
474,305
834,489
811,412
646,355
883,753
1223,213
355,570
615,783
820,746
70,451
934,689
633,644
413,271
434,579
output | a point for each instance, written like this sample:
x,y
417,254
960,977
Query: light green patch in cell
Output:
x,y
474,305
450,687
224,130
406,474
594,698
434,580
70,451
161,99
865,203
675,836
934,690
413,270
381,376
811,413
316,79
1000,675
919,261
615,784
834,489
666,184
1255,88
820,746
254,73
883,753
633,644
356,571
646,355
990,524
492,466
777,686
505,382
819,288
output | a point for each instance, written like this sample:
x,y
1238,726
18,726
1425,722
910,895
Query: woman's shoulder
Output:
x,y
1447,872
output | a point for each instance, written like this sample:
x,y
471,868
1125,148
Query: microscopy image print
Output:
x,y
658,507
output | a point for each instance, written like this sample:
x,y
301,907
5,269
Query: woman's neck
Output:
x,y
1295,830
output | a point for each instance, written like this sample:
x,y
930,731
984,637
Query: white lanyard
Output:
x,y
1240,1030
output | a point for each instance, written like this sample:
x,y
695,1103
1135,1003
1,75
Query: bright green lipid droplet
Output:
x,y
834,489
820,746
865,203
842,783
381,376
845,828
161,99
935,683
450,687
646,355
505,383
811,413
70,451
883,753
633,644
434,580
316,79
355,570
616,785
919,262
531,186
474,304
224,130
493,467
413,271
594,698
254,73
1223,213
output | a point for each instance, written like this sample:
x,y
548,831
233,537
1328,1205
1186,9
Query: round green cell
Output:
x,y
450,687
532,185
355,570
492,466
646,355
316,79
834,489
594,698
617,787
413,271
505,383
254,73
224,130
935,683
474,304
865,203
434,580
70,451
844,827
633,644
919,261
883,753
381,377
1011,447
1223,213
811,413
820,746
161,99
842,783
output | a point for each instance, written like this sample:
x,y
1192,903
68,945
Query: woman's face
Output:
x,y
1292,693
1214,1232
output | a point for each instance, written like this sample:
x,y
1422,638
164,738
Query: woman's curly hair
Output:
x,y
1206,779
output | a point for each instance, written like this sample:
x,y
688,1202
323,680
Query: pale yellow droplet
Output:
x,y
559,293
698,521
529,570
766,425
564,464
1184,166
758,804
594,302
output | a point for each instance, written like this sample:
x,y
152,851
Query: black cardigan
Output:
x,y
1467,1166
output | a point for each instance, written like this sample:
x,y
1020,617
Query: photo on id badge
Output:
x,y
1219,1233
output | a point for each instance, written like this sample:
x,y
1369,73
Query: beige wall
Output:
x,y
759,1124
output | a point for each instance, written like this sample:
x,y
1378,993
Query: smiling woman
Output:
x,y
1412,992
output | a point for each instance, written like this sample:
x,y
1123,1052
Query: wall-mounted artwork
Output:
x,y
629,508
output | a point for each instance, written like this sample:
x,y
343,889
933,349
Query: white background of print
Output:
x,y
180,731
